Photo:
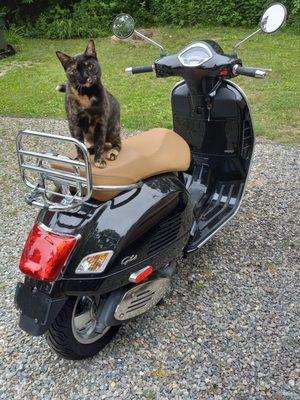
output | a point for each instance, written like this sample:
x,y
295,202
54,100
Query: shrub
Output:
x,y
58,19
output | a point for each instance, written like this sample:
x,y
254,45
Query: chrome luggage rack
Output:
x,y
71,189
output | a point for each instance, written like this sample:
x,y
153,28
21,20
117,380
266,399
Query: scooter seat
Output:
x,y
150,153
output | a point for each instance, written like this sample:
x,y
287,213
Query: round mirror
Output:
x,y
123,26
273,18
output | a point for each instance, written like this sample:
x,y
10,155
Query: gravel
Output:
x,y
228,330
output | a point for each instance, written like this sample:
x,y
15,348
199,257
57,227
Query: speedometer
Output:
x,y
195,55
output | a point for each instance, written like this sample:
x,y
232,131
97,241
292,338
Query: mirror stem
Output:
x,y
234,51
162,50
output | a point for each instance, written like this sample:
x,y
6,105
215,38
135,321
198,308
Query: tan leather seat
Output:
x,y
148,154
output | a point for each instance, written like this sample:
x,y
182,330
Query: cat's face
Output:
x,y
82,70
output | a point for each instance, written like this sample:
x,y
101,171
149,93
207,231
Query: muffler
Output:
x,y
124,304
141,298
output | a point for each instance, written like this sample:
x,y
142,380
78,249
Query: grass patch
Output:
x,y
28,87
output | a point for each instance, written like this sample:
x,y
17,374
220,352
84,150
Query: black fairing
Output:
x,y
220,134
172,66
149,226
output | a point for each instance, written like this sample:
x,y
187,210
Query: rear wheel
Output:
x,y
73,335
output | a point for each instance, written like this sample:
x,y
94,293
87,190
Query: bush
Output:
x,y
217,12
58,19
85,18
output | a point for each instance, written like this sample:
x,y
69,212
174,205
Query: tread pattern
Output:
x,y
61,339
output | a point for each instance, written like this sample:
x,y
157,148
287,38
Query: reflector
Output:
x,y
141,275
45,253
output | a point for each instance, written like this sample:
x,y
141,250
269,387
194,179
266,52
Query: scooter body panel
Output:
x,y
146,226
220,134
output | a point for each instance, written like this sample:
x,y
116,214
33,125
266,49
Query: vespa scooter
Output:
x,y
103,248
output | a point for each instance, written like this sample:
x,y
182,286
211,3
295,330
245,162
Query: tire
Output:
x,y
63,338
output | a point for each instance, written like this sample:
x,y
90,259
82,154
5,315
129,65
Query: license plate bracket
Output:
x,y
33,303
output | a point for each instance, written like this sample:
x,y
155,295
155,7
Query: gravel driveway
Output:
x,y
229,330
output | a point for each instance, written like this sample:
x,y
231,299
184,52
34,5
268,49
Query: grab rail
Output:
x,y
73,188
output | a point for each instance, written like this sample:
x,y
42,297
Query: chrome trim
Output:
x,y
234,51
128,71
80,179
141,298
175,86
122,188
50,230
249,170
260,74
49,171
151,41
48,156
261,22
191,46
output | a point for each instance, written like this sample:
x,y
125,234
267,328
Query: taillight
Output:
x,y
45,253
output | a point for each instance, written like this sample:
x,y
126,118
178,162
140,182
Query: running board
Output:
x,y
220,207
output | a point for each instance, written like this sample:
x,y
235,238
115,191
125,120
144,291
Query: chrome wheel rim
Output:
x,y
84,321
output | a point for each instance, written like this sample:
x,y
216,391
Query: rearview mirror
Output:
x,y
273,18
123,26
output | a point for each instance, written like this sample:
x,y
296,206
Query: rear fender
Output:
x,y
127,225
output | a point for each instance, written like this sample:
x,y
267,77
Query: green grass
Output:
x,y
145,100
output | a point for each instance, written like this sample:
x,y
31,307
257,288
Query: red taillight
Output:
x,y
45,253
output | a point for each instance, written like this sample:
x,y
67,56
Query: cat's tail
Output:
x,y
61,88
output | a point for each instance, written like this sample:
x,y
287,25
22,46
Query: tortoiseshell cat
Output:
x,y
93,113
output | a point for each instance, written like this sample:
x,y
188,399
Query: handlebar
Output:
x,y
139,70
248,71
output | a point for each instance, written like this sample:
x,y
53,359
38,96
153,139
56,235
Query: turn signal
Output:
x,y
45,253
94,263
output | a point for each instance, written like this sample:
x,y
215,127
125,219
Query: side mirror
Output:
x,y
273,18
123,26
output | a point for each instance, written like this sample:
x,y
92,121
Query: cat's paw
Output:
x,y
112,154
100,164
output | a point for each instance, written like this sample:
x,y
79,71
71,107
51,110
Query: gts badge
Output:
x,y
129,259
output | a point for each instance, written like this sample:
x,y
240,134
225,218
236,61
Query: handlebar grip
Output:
x,y
248,71
139,70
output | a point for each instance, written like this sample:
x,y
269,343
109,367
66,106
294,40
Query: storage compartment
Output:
x,y
211,132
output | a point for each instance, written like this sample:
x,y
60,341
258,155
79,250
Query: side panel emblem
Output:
x,y
129,259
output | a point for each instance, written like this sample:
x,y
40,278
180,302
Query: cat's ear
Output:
x,y
90,51
63,58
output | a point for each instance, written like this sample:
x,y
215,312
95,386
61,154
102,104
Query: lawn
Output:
x,y
28,86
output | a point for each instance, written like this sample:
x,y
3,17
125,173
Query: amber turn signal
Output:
x,y
94,263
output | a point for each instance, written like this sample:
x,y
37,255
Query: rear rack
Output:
x,y
72,189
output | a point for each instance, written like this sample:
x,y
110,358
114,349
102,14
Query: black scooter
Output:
x,y
104,245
